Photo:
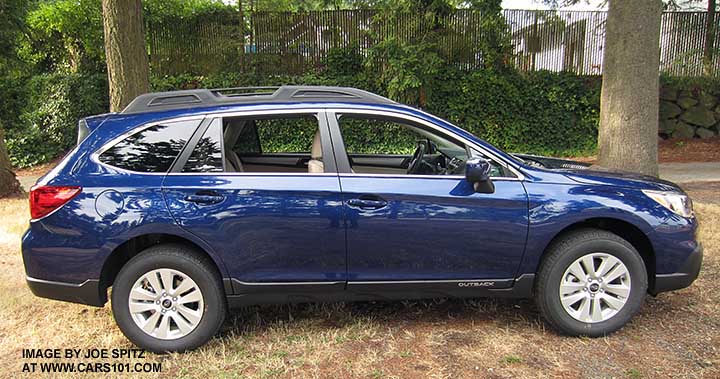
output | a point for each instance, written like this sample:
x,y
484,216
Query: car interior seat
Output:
x,y
315,165
230,137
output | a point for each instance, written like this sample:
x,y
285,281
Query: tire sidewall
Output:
x,y
213,301
638,286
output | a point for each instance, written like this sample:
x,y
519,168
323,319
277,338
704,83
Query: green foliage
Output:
x,y
495,40
301,6
290,135
386,137
12,93
708,84
409,60
65,35
12,15
159,10
220,80
43,123
344,62
512,359
404,66
404,69
537,112
540,112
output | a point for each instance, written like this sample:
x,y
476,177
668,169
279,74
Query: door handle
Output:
x,y
201,198
367,202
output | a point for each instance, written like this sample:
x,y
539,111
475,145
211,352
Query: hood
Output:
x,y
619,178
582,172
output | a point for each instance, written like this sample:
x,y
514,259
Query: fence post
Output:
x,y
242,35
709,45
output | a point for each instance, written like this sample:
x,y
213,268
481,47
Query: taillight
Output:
x,y
46,199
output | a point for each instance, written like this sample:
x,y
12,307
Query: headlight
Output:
x,y
678,203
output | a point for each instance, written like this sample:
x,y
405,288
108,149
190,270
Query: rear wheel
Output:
x,y
168,298
592,282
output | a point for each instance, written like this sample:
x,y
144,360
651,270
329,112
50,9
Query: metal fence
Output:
x,y
280,42
303,40
202,44
574,41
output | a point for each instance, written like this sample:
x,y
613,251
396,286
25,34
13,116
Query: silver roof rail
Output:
x,y
163,101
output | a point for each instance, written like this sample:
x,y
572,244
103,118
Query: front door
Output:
x,y
411,215
243,186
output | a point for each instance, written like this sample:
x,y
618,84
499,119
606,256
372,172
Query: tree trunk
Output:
x,y
710,29
125,52
8,182
628,134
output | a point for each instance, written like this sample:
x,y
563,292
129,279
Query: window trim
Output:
x,y
182,158
325,139
337,145
95,157
344,164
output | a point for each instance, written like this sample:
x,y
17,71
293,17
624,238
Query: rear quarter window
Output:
x,y
207,155
152,149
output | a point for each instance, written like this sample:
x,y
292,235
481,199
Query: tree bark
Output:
x,y
125,52
9,184
627,139
710,29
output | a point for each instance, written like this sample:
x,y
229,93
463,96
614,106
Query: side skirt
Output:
x,y
246,294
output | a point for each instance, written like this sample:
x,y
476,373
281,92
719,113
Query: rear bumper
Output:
x,y
87,292
684,277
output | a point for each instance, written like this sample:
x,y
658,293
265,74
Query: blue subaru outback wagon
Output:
x,y
187,203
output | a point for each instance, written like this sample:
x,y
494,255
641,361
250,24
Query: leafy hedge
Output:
x,y
540,112
41,117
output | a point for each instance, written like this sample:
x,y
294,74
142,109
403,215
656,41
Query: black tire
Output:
x,y
562,254
177,257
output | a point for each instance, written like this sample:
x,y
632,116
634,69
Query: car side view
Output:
x,y
188,203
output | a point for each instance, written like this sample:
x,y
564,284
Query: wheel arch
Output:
x,y
121,254
624,229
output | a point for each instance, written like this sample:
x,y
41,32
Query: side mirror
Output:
x,y
477,173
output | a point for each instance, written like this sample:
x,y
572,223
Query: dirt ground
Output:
x,y
689,150
676,335
703,192
681,150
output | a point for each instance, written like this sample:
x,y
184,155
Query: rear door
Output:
x,y
277,226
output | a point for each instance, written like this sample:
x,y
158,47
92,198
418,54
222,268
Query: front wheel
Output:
x,y
592,282
168,298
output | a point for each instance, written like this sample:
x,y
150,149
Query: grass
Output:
x,y
675,335
634,373
511,359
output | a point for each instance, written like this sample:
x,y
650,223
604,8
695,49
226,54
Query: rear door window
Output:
x,y
261,144
152,149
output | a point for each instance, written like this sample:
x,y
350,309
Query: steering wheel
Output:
x,y
417,157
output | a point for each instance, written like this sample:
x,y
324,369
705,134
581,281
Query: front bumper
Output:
x,y
87,292
683,278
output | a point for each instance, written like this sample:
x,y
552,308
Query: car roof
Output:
x,y
196,98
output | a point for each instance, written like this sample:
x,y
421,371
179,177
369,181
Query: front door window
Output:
x,y
380,145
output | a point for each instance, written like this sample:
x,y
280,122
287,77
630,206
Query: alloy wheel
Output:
x,y
595,287
166,304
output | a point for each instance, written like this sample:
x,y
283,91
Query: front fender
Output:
x,y
553,208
